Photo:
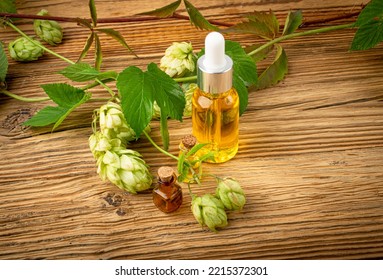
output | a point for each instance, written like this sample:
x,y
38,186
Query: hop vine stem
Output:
x,y
151,18
40,45
298,34
158,147
22,98
98,81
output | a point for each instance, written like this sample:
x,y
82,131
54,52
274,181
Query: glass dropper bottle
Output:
x,y
215,113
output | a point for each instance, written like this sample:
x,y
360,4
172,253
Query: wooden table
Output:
x,y
310,158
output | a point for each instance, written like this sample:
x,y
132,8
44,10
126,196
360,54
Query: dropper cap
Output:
x,y
215,69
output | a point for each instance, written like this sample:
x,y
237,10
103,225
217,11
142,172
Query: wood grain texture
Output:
x,y
310,157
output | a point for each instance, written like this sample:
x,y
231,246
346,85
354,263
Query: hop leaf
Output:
x,y
3,64
188,89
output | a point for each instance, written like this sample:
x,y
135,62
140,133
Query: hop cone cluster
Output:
x,y
23,49
179,60
26,50
209,210
123,167
49,31
113,123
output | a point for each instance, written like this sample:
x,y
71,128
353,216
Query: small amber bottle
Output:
x,y
167,195
187,143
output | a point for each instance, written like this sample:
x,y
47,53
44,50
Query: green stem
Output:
x,y
106,87
98,99
94,84
190,191
186,79
158,147
298,34
25,99
55,54
38,43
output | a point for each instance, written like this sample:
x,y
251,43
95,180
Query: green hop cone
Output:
x,y
126,169
24,50
99,144
231,194
209,210
113,123
48,30
179,60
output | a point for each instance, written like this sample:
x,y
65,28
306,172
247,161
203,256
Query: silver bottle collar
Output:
x,y
215,82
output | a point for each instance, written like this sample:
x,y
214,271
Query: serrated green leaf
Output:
x,y
70,109
268,19
293,21
370,23
56,115
243,64
276,71
3,63
169,97
372,12
98,52
164,12
80,72
251,27
136,97
93,12
117,36
46,116
245,72
242,91
195,149
88,44
368,36
164,130
64,95
197,19
67,97
8,6
261,55
182,167
264,25
168,94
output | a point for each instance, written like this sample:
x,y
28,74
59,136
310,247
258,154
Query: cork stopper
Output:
x,y
165,173
189,141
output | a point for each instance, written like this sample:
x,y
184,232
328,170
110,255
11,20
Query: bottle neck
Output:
x,y
167,182
215,82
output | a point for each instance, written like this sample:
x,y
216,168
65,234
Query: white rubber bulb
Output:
x,y
214,52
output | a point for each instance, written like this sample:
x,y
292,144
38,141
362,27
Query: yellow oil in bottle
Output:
x,y
215,120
